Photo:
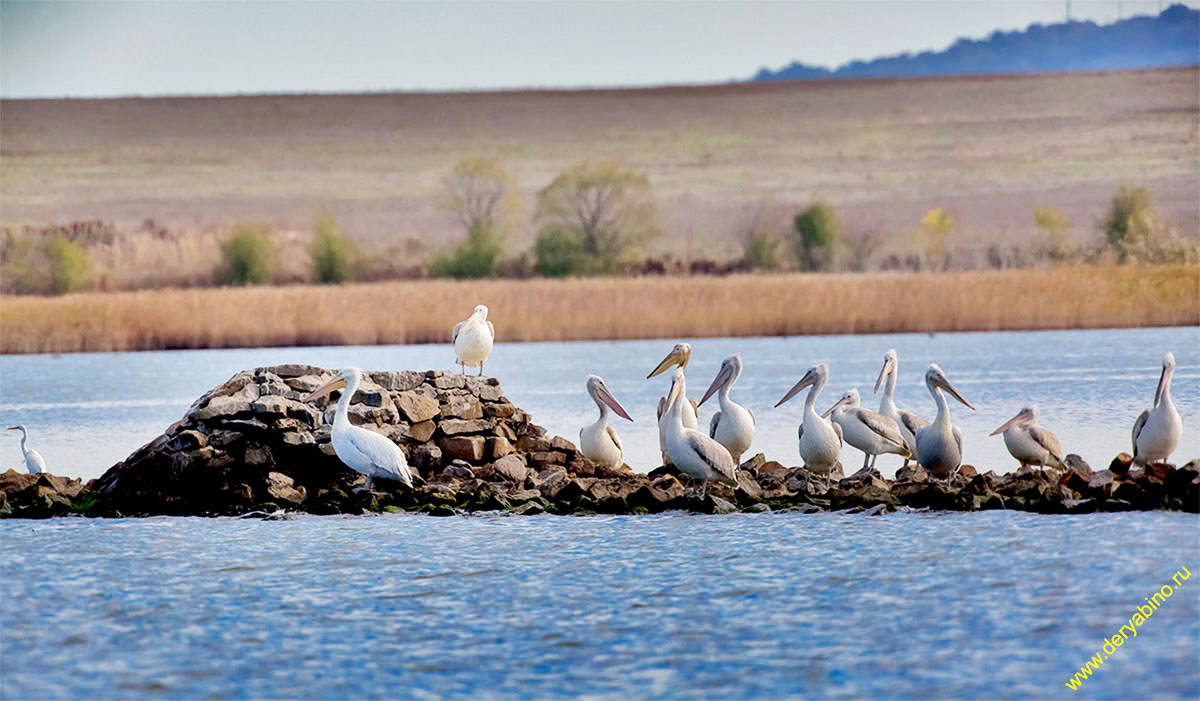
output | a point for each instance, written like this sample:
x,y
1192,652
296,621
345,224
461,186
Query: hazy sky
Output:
x,y
52,49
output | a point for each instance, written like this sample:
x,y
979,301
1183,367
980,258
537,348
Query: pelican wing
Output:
x,y
385,456
712,425
714,455
957,439
662,407
457,328
612,433
880,424
911,421
1048,441
837,428
492,330
1137,429
753,421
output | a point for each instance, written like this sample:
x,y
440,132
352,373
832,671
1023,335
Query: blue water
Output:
x,y
85,412
983,605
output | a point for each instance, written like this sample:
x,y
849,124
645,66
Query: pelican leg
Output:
x,y
866,461
873,459
481,368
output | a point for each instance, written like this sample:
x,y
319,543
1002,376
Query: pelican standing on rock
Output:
x,y
598,441
940,444
693,453
363,451
869,431
33,459
733,425
1029,443
473,339
820,439
908,422
680,355
1157,431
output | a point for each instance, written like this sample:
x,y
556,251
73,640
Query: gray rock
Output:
x,y
221,407
417,407
510,468
458,470
462,406
454,427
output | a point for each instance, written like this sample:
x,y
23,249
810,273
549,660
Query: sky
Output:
x,y
96,48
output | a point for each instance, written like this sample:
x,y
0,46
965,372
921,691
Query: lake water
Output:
x,y
947,605
991,604
88,411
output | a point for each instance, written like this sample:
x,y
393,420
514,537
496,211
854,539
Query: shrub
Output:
x,y
476,258
606,209
820,237
333,257
559,253
69,264
936,227
1135,232
247,257
1054,241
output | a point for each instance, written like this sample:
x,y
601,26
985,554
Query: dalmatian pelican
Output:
x,y
473,339
1029,443
1157,431
693,453
820,439
598,441
733,425
869,431
940,444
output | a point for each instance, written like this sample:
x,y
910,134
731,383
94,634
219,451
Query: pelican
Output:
x,y
940,445
695,454
473,339
680,355
733,425
820,439
598,441
33,459
1156,432
907,421
869,431
1029,443
363,451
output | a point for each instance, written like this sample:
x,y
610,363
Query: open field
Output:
x,y
605,308
883,152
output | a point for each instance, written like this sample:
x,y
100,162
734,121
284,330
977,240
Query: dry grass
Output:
x,y
1066,297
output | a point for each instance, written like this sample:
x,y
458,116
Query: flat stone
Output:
x,y
498,447
450,382
511,468
186,440
281,487
402,381
291,370
454,427
462,406
422,431
533,444
499,411
270,406
562,444
469,448
221,406
458,470
417,407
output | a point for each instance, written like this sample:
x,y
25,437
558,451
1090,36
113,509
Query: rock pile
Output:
x,y
251,446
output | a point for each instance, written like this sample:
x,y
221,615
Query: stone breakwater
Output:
x,y
252,447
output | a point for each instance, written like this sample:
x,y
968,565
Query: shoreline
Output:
x,y
589,309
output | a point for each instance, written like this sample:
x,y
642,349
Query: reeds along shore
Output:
x,y
1070,297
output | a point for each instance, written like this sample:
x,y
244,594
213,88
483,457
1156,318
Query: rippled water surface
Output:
x,y
980,605
87,411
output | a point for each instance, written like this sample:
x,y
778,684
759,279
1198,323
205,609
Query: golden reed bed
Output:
x,y
1073,297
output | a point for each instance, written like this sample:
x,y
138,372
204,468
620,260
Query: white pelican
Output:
x,y
1029,443
940,445
820,439
473,339
733,425
598,441
365,452
33,459
695,454
680,355
906,420
1156,432
869,431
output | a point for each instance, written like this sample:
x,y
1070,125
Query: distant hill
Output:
x,y
1170,39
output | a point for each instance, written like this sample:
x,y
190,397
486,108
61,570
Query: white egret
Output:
x,y
473,339
33,459
940,444
365,452
733,425
598,441
1157,431
1029,443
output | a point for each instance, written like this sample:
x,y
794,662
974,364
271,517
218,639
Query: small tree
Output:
x,y
1054,241
69,264
936,227
479,194
820,237
606,209
333,257
761,234
247,257
1136,232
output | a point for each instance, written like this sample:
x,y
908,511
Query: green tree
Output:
x,y
333,257
247,257
69,264
820,235
480,194
607,210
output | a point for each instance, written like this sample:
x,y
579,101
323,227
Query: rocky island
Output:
x,y
252,447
